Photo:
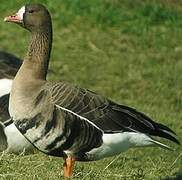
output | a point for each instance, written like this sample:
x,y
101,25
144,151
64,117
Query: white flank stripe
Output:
x,y
81,117
5,86
17,143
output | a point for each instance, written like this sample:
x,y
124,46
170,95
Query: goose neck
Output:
x,y
37,58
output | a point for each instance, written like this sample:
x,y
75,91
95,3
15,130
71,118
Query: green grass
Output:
x,y
129,51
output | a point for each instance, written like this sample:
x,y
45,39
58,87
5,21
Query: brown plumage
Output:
x,y
67,121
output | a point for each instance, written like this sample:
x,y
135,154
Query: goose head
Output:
x,y
37,20
33,17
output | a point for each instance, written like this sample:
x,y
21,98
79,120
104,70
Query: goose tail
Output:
x,y
165,132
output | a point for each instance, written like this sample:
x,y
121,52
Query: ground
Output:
x,y
129,51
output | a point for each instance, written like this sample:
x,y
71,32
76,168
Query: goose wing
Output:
x,y
105,114
4,103
9,65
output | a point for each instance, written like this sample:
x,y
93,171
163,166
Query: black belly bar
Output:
x,y
78,135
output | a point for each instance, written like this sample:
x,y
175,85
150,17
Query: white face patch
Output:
x,y
21,12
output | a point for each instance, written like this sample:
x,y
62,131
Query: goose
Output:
x,y
64,120
11,140
9,65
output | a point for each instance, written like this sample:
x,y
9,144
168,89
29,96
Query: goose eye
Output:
x,y
31,11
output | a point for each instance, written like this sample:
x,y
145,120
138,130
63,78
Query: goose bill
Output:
x,y
13,18
17,18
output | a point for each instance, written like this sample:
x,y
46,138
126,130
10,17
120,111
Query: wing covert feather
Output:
x,y
104,113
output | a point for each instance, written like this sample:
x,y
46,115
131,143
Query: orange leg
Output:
x,y
68,166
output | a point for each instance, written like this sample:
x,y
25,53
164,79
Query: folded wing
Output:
x,y
105,114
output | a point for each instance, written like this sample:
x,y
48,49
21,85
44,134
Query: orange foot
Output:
x,y
68,166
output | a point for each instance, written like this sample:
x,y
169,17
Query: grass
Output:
x,y
129,51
